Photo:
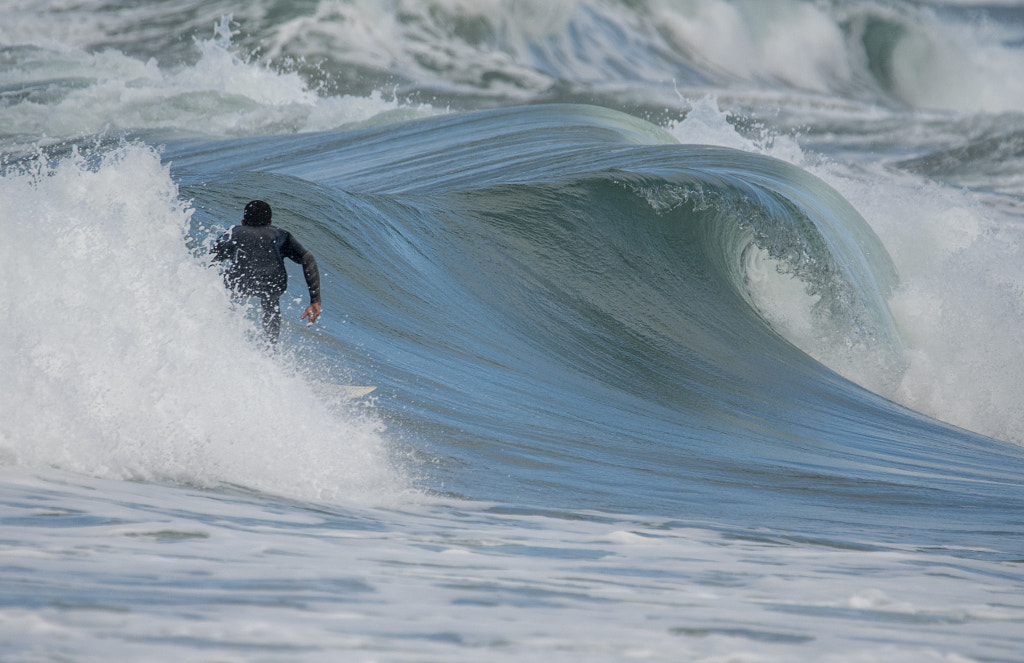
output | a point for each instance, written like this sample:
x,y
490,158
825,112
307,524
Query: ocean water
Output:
x,y
695,328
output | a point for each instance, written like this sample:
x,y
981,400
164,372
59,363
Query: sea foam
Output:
x,y
123,356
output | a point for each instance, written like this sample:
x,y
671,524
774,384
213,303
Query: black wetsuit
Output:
x,y
257,254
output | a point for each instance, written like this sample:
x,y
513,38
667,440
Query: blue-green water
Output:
x,y
682,352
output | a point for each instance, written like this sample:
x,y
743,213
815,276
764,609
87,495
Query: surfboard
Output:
x,y
340,392
352,391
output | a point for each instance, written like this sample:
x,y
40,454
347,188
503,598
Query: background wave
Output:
x,y
923,55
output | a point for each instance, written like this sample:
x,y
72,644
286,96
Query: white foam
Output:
x,y
795,43
222,94
123,357
960,306
959,67
936,62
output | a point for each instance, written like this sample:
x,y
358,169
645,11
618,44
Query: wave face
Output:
x,y
685,318
556,287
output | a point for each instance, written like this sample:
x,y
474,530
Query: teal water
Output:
x,y
682,352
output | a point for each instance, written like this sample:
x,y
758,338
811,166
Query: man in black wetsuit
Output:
x,y
256,251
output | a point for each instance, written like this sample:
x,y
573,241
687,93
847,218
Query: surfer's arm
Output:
x,y
312,274
294,250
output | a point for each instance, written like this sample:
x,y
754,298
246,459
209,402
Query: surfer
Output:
x,y
256,251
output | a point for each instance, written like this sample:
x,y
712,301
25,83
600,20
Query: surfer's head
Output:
x,y
257,213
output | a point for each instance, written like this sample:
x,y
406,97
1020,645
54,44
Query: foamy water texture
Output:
x,y
457,584
935,64
221,94
960,305
585,445
124,357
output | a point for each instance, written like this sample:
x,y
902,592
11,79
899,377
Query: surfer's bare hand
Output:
x,y
312,312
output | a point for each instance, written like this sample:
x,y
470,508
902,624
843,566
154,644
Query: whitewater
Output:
x,y
695,328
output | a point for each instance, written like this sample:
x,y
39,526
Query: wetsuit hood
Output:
x,y
257,213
